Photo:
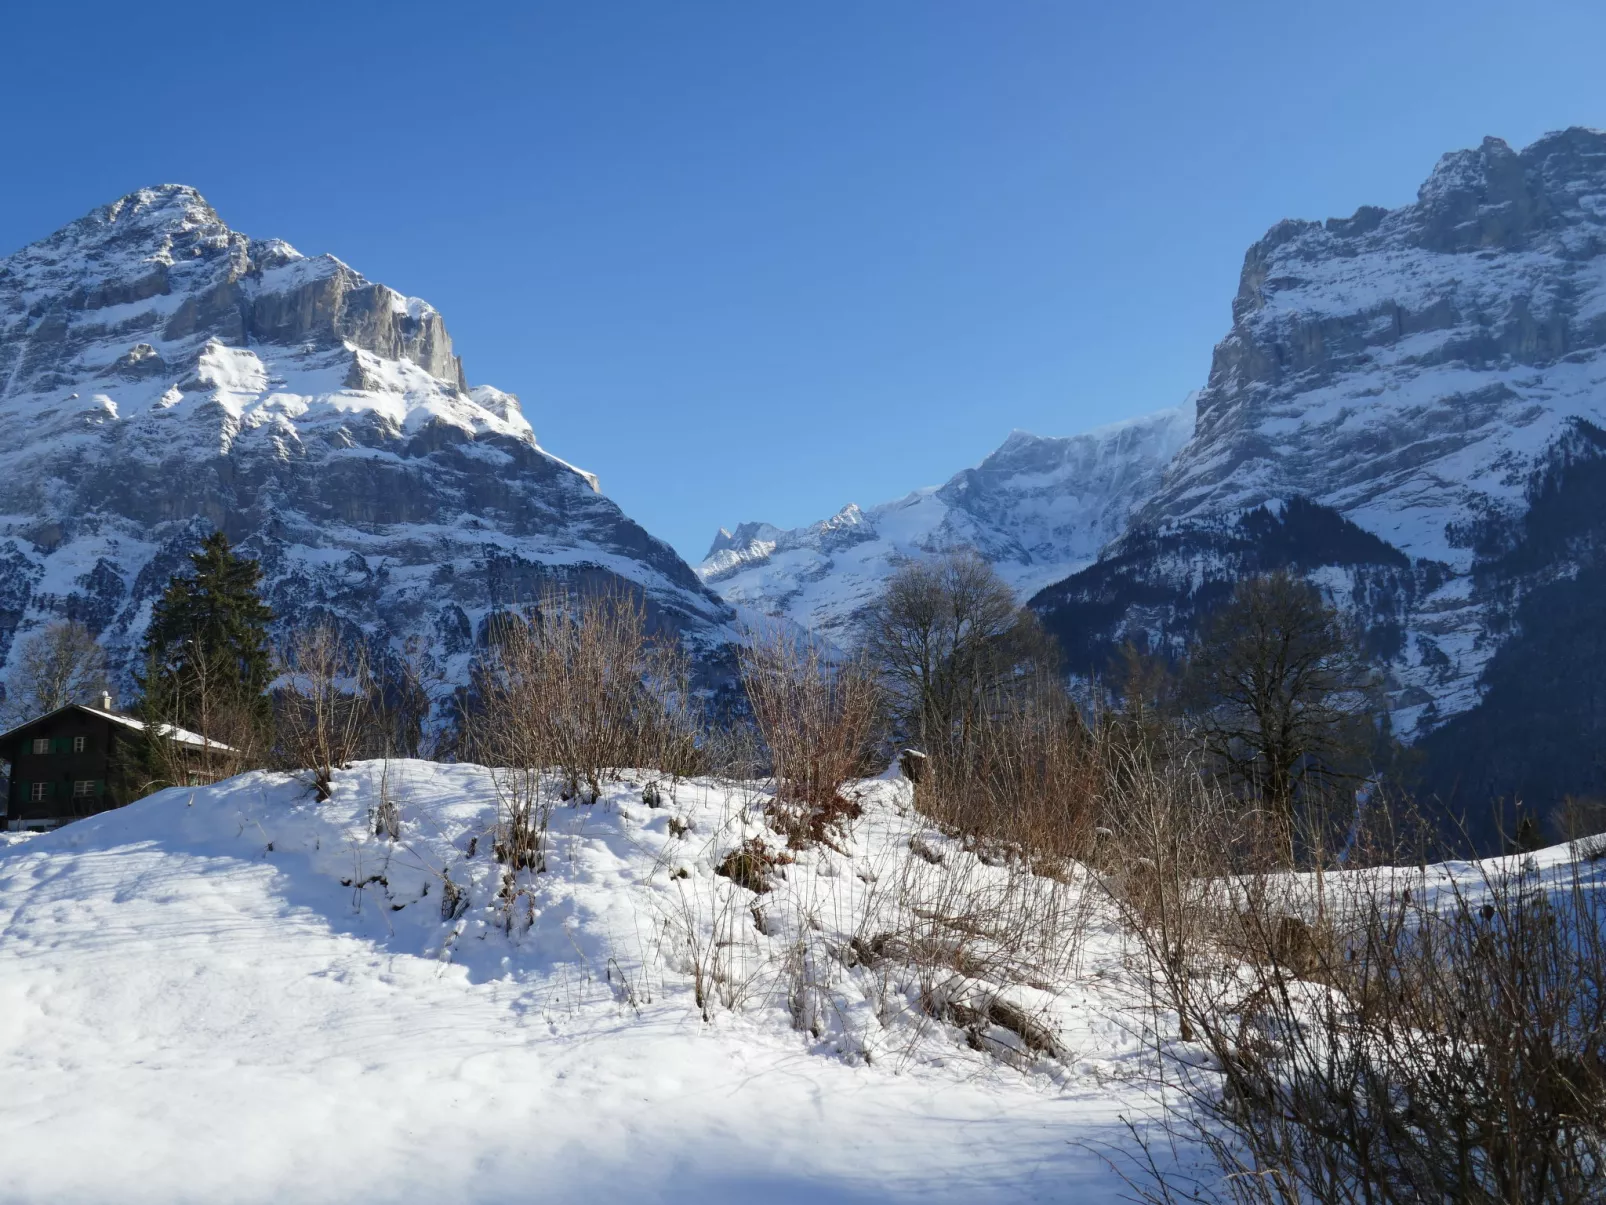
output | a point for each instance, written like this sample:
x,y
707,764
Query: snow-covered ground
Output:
x,y
236,994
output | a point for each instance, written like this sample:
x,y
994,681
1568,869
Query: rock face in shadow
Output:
x,y
167,375
1418,373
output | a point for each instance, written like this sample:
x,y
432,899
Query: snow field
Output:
x,y
235,994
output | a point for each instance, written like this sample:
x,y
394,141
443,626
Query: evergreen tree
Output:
x,y
207,645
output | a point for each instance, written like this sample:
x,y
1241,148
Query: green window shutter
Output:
x,y
62,744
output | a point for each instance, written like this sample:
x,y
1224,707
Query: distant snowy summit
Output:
x,y
1038,508
162,374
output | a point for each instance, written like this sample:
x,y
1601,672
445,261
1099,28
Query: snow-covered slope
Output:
x,y
1037,508
236,994
1408,367
161,374
1422,372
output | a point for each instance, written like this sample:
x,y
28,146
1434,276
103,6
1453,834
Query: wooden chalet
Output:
x,y
79,760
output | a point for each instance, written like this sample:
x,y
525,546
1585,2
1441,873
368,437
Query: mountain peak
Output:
x,y
179,200
1037,508
147,224
165,375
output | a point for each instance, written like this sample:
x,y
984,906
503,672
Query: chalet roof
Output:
x,y
172,732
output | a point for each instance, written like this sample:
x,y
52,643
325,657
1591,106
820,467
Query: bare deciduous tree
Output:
x,y
200,726
944,636
1284,692
61,663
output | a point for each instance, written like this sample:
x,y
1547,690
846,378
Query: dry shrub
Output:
x,y
751,864
200,728
411,687
325,704
1024,781
1581,822
1385,1035
577,684
819,723
577,688
972,942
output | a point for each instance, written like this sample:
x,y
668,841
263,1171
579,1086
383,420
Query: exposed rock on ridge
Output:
x,y
1412,370
1037,508
166,375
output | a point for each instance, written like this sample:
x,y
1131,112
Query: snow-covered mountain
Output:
x,y
1037,508
1419,379
1409,408
161,374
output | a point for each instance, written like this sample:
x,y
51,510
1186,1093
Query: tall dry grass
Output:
x,y
1025,781
1384,1031
819,722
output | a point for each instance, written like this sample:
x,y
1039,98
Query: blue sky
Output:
x,y
755,260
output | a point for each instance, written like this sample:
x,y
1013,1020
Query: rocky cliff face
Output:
x,y
1408,410
161,375
1418,373
1036,508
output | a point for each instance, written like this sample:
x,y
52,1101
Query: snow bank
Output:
x,y
234,993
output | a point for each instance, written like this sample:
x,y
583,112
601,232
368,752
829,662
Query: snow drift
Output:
x,y
234,993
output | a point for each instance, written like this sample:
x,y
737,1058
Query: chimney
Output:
x,y
105,700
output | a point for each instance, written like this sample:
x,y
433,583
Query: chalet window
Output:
x,y
41,744
85,788
80,743
38,792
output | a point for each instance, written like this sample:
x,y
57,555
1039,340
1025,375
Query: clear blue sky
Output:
x,y
755,260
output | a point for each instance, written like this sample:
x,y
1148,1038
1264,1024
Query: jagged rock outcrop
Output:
x,y
1415,372
1037,508
162,375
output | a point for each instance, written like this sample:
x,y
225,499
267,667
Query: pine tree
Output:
x,y
206,649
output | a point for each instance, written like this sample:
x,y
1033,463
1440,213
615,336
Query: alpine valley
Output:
x,y
1409,410
162,375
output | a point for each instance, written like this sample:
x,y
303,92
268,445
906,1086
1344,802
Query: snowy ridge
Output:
x,y
1407,367
1415,370
1038,508
169,374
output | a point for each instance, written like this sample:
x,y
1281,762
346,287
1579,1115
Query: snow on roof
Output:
x,y
172,732
182,736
